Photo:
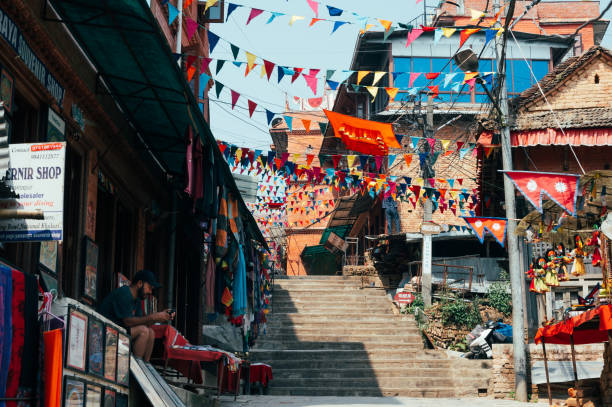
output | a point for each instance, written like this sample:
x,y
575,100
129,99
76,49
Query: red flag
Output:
x,y
465,34
235,96
497,227
269,68
561,188
254,13
252,106
432,75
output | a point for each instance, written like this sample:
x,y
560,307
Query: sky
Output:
x,y
298,45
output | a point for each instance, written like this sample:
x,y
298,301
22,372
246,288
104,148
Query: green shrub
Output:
x,y
499,295
461,313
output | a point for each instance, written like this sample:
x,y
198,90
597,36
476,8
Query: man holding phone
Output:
x,y
124,307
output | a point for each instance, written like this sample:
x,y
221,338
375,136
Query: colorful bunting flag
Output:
x,y
235,97
252,106
413,35
334,12
497,227
465,34
213,39
561,188
173,13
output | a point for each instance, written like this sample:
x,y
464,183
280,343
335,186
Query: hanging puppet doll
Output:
x,y
595,243
540,273
551,278
578,255
531,274
562,261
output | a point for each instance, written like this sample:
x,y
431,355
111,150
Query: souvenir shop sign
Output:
x,y
11,34
36,174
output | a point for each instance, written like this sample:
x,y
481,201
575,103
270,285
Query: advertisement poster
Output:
x,y
36,174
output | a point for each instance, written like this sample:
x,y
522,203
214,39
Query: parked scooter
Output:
x,y
482,337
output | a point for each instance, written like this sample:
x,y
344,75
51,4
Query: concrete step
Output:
x,y
316,278
364,372
375,391
352,299
354,382
354,346
331,318
270,356
361,363
299,330
322,296
379,309
280,321
349,338
330,290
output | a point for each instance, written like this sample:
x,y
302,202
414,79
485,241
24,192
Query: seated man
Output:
x,y
124,307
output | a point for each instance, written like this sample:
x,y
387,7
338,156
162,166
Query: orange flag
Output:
x,y
408,159
306,124
392,92
465,34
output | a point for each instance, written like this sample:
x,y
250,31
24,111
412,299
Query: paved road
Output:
x,y
293,401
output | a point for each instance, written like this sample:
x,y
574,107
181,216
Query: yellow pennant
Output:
x,y
378,76
448,31
476,14
361,75
263,70
500,31
373,91
209,4
445,144
469,75
296,157
250,60
294,19
351,160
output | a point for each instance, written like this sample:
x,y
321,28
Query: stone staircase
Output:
x,y
328,336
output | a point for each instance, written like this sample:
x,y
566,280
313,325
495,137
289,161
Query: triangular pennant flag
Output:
x,y
334,12
408,159
465,34
385,23
448,78
388,33
561,188
392,92
314,21
311,81
329,74
413,76
323,127
172,13
294,19
413,35
338,24
254,13
373,90
203,83
471,83
414,142
220,63
314,6
361,75
273,16
296,73
289,121
250,60
235,97
469,75
281,73
497,227
209,4
269,67
213,39
218,88
438,34
351,160
489,35
434,90
377,77
252,106
448,32
432,75
456,87
192,27
476,14
269,116
445,144
230,9
391,159
332,85
306,124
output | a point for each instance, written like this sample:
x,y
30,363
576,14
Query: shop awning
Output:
x,y
589,327
123,40
554,137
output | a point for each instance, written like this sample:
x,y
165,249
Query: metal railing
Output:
x,y
468,270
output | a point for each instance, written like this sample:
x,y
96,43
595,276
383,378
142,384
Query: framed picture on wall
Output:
x,y
110,353
93,397
95,348
90,270
76,344
74,392
123,360
109,398
48,256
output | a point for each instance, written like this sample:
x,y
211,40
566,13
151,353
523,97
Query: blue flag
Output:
x,y
334,12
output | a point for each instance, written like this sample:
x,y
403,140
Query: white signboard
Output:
x,y
36,174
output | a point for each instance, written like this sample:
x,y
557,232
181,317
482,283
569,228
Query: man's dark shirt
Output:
x,y
120,304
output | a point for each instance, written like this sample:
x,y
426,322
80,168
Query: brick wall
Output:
x,y
296,241
503,363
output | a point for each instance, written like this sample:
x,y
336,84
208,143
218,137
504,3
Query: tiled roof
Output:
x,y
570,118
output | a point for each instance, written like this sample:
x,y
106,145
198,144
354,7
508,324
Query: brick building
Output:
x,y
546,18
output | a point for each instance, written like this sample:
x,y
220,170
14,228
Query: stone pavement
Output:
x,y
299,401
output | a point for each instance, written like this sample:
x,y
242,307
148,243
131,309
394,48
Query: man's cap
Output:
x,y
146,276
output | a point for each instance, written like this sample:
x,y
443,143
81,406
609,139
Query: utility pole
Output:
x,y
516,275
427,172
179,31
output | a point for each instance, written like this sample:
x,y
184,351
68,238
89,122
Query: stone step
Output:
x,y
354,382
375,391
352,299
299,330
355,318
354,346
340,356
349,338
316,278
361,363
280,321
332,297
322,309
364,372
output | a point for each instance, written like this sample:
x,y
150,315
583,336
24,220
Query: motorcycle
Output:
x,y
482,337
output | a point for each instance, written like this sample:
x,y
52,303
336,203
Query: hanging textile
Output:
x,y
6,329
53,368
18,323
210,284
29,362
239,306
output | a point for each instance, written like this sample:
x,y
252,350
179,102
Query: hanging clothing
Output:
x,y
210,284
29,362
6,328
239,306
53,368
18,322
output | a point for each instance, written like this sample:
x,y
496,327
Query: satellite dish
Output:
x,y
606,226
466,60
